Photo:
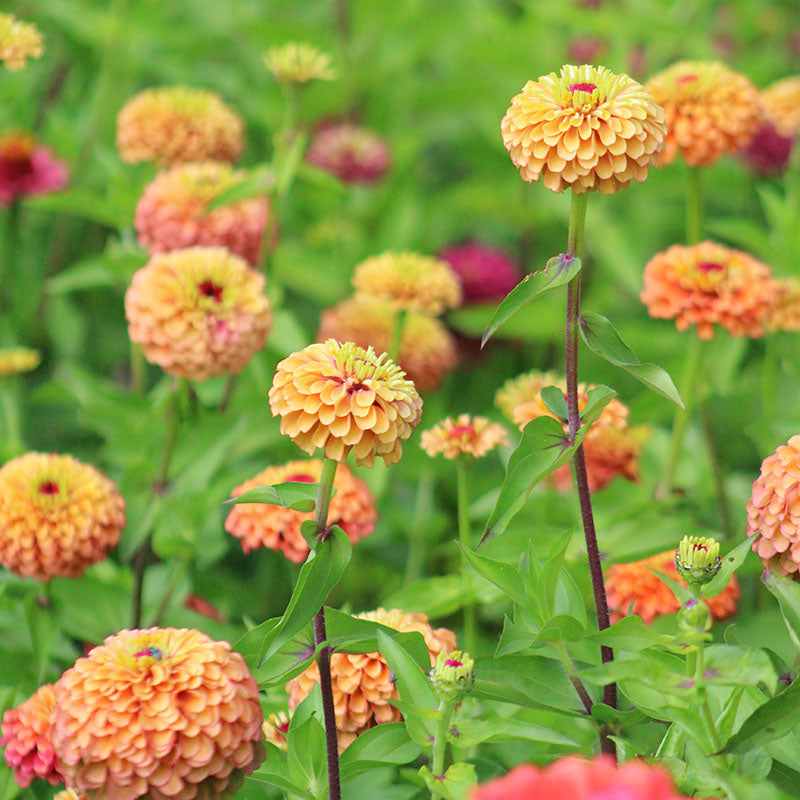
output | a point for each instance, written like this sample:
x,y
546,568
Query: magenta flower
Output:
x,y
351,153
768,152
27,169
486,273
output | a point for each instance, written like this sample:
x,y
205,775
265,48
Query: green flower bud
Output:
x,y
697,559
694,618
453,676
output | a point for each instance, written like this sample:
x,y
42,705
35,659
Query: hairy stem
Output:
x,y
440,742
462,491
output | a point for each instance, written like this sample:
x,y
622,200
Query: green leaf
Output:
x,y
295,495
560,628
493,728
558,271
258,182
629,633
305,745
730,563
787,593
602,338
439,596
732,665
502,575
596,400
555,401
770,721
379,746
42,632
279,782
455,784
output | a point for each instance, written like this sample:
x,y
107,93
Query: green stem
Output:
x,y
230,385
717,472
705,709
462,491
569,667
422,512
769,377
440,742
397,334
177,576
9,399
173,423
8,260
138,369
694,206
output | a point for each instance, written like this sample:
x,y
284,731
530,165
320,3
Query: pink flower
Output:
x,y
486,273
351,153
768,152
26,169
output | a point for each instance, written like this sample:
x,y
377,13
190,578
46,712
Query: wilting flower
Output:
x,y
781,105
773,510
767,152
27,169
278,528
427,351
785,312
275,728
363,684
524,389
486,273
57,516
19,41
198,313
635,583
16,360
171,212
26,737
583,129
162,712
408,281
573,778
463,436
172,125
298,63
711,110
339,397
351,153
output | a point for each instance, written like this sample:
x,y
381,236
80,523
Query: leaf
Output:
x,y
629,633
558,271
596,400
439,596
455,784
730,563
379,746
258,181
295,495
502,575
279,782
732,665
602,338
787,593
493,728
555,401
770,721
305,745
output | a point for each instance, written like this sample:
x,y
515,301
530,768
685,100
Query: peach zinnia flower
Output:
x,y
781,105
26,737
651,597
16,360
27,169
57,516
339,397
198,313
362,683
171,212
773,510
278,528
711,110
157,713
583,129
408,282
573,778
175,124
707,284
464,435
351,153
19,41
427,348
785,312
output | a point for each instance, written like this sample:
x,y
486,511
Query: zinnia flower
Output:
x,y
408,282
158,713
278,528
781,105
785,312
773,510
427,348
363,683
275,728
198,313
464,435
584,129
298,63
19,41
767,152
635,583
27,169
351,153
486,273
57,516
171,212
175,124
15,360
707,284
26,737
524,389
711,110
340,397
573,778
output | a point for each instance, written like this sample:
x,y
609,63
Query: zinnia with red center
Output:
x,y
158,713
363,684
463,436
351,153
584,129
339,397
708,284
27,168
57,516
486,273
257,525
198,313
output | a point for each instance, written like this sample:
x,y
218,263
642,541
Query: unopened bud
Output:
x,y
697,559
453,675
694,617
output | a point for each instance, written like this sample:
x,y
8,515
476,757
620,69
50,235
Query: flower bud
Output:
x,y
453,675
697,559
694,618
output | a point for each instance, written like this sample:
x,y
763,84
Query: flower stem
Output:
x,y
422,512
705,709
9,399
717,472
572,674
769,377
397,334
577,219
227,394
462,491
694,207
440,742
138,369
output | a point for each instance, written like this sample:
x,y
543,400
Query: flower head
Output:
x,y
583,129
362,683
525,388
785,312
635,583
767,152
773,510
19,41
26,737
275,728
57,516
172,125
486,273
711,110
427,350
263,525
573,778
162,712
351,153
781,105
408,282
707,284
453,675
27,169
198,312
340,397
171,212
463,436
697,559
16,360
298,63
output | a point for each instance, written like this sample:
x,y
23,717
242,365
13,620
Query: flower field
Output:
x,y
400,401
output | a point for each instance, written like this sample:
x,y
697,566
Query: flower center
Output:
x,y
283,727
452,662
15,156
686,78
300,478
709,266
210,289
457,431
582,87
48,487
149,652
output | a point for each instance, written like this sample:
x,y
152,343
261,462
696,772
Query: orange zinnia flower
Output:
x,y
781,104
464,435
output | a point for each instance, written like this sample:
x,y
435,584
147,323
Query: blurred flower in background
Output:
x,y
19,41
351,153
781,104
298,63
785,312
486,273
16,360
463,435
27,168
767,152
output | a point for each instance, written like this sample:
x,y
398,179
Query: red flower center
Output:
x,y
709,266
300,478
582,87
15,156
283,727
686,78
149,652
48,487
210,289
451,662
462,430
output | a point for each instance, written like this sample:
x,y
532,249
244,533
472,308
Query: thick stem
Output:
x,y
440,742
462,491
397,334
705,709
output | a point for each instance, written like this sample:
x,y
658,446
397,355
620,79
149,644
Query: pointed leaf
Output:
x,y
777,717
295,495
730,563
555,401
787,593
